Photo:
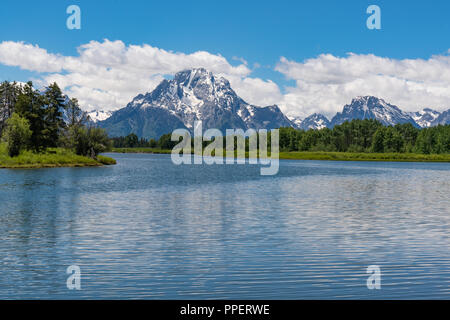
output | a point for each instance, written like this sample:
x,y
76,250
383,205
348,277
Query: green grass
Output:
x,y
56,157
336,156
350,156
141,150
106,160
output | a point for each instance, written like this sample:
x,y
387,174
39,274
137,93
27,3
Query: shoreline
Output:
x,y
50,165
325,156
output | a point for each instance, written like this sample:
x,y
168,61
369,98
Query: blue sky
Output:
x,y
261,32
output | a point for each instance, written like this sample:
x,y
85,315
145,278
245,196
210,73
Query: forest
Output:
x,y
356,136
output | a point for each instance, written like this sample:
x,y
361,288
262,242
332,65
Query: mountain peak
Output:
x,y
367,98
191,78
183,75
370,107
314,121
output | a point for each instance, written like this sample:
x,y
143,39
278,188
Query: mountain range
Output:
x,y
197,94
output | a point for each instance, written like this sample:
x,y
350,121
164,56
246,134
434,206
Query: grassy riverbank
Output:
x,y
141,150
348,156
53,158
336,156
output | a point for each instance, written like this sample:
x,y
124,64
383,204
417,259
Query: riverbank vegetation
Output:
x,y
354,156
357,140
47,129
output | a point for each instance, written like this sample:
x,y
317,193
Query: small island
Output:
x,y
52,158
46,129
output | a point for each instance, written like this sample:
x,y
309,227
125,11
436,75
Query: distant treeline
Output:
x,y
368,136
353,136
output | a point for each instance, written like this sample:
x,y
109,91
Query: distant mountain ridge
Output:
x,y
369,107
442,119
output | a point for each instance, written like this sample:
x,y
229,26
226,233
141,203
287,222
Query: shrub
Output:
x,y
90,141
17,134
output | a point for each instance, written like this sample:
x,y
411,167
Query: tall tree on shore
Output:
x,y
75,116
53,114
9,93
30,105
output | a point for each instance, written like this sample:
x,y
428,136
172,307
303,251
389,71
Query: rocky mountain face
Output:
x,y
442,119
192,95
315,121
297,121
425,118
369,107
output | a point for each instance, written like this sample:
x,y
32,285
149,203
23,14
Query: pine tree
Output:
x,y
53,119
30,105
378,140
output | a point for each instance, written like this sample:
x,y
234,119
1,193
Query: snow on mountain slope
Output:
x,y
425,118
97,115
315,121
443,119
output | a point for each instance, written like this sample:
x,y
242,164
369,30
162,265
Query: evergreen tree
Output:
x,y
53,115
30,105
378,141
392,140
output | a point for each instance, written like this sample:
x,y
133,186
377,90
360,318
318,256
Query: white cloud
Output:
x,y
326,83
255,90
108,74
29,57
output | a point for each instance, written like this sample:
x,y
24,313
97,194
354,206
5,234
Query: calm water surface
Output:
x,y
148,229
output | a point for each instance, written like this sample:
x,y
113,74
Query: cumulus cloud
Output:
x,y
107,75
255,90
29,57
326,83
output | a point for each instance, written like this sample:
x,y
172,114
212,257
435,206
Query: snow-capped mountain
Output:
x,y
315,121
443,119
96,115
297,121
425,118
192,95
369,107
